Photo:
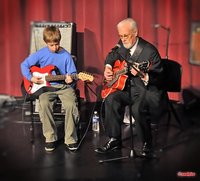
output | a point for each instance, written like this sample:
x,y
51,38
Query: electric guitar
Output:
x,y
119,79
46,76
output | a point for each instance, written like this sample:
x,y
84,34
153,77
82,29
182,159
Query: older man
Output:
x,y
145,74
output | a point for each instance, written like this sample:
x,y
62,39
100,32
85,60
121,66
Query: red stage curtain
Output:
x,y
96,34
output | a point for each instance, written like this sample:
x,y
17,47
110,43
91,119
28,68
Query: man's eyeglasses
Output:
x,y
124,36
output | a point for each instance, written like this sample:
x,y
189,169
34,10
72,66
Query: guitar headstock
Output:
x,y
84,76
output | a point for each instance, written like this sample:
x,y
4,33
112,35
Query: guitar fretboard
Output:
x,y
50,78
123,71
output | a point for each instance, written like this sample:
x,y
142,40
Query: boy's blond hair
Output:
x,y
51,34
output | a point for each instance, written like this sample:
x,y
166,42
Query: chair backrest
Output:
x,y
172,75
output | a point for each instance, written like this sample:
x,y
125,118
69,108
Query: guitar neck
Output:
x,y
50,78
120,72
123,71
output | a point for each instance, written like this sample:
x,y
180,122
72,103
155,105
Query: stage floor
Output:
x,y
177,151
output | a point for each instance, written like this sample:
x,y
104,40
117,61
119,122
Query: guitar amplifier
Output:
x,y
68,35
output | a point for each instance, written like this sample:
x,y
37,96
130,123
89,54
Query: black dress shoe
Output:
x,y
146,149
110,146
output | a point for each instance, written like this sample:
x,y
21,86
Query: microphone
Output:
x,y
116,47
161,26
156,26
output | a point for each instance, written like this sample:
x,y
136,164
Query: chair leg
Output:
x,y
154,132
175,114
32,122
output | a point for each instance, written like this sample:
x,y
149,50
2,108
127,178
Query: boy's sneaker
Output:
x,y
50,146
72,147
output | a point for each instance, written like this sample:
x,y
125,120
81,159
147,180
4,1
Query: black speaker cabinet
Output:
x,y
68,33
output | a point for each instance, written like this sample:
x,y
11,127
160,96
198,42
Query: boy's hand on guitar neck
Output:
x,y
68,79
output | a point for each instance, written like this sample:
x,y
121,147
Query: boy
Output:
x,y
55,55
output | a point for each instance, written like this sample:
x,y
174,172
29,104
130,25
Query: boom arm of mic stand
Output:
x,y
167,43
168,34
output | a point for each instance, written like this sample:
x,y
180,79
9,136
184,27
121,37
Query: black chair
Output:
x,y
30,100
172,83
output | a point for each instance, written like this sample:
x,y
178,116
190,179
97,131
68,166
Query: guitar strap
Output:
x,y
57,71
137,52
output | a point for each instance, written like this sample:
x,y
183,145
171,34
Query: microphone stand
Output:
x,y
168,35
132,152
167,43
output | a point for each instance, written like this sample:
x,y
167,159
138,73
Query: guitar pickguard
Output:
x,y
36,87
